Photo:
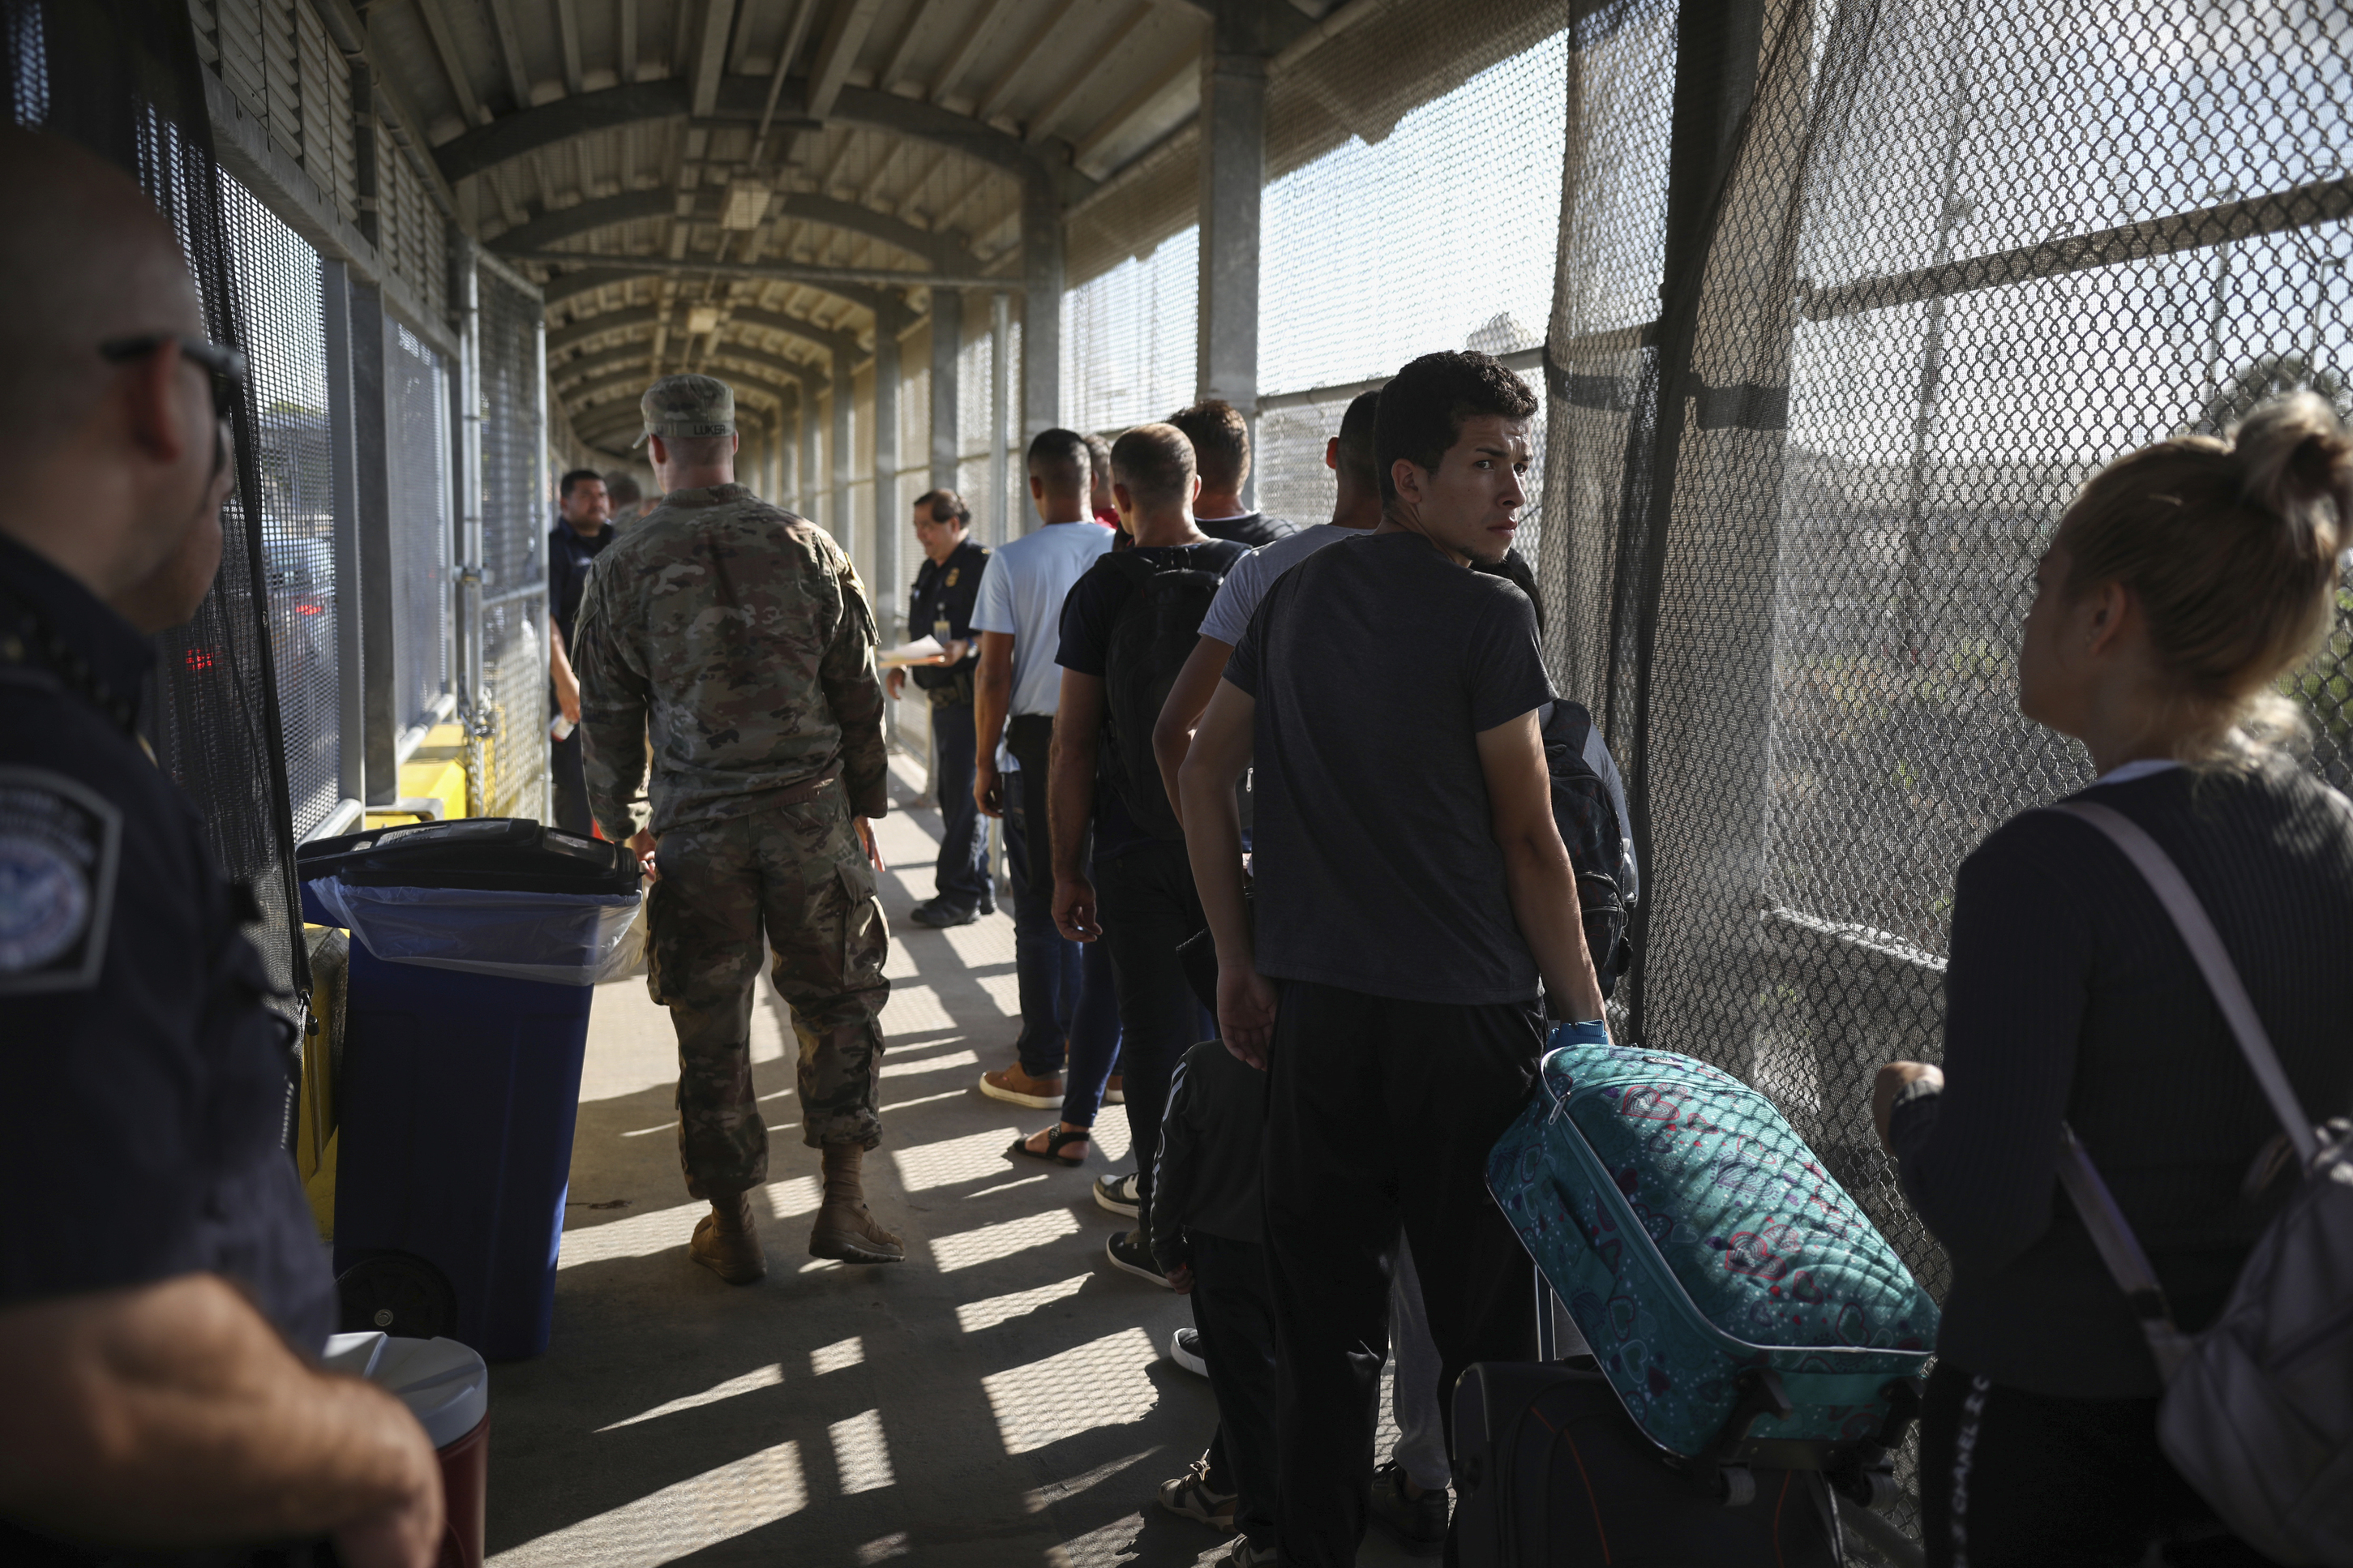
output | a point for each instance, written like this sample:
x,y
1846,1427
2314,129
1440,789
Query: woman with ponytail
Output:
x,y
2183,582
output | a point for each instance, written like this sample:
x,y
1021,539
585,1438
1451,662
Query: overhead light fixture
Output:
x,y
747,203
702,321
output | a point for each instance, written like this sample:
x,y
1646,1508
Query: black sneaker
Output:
x,y
1185,1350
936,914
1119,1195
1414,1521
1130,1253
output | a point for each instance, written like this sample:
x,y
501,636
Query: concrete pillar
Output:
x,y
1000,334
947,342
1233,172
839,465
890,316
805,480
1041,305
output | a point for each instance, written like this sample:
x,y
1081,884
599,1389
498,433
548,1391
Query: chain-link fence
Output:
x,y
512,706
276,278
1954,259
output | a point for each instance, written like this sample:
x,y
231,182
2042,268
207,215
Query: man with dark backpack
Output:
x,y
1128,627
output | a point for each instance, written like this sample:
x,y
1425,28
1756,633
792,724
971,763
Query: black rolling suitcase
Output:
x,y
1551,1471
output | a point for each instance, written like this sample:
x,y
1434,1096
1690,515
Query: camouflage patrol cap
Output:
x,y
687,405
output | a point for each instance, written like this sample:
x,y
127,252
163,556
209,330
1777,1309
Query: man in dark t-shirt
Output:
x,y
1413,901
1221,447
1147,904
580,535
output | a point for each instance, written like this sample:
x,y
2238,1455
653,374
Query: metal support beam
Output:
x,y
343,464
887,523
511,52
1041,308
745,99
710,54
453,62
844,36
938,251
804,500
1000,335
782,272
1233,173
947,347
840,512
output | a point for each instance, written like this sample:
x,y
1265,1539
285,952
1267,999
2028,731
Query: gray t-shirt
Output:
x,y
1374,668
1247,583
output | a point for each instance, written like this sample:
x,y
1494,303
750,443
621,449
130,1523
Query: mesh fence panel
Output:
x,y
1128,339
416,396
1933,296
515,522
1345,298
122,77
276,278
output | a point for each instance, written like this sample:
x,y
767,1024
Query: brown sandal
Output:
x,y
1055,1138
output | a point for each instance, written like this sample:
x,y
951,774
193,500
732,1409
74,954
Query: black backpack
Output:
x,y
1151,639
1589,804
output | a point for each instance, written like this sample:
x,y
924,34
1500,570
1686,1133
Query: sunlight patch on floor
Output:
x,y
914,1007
861,1455
842,1353
925,1099
930,1064
794,1197
971,1158
974,1316
981,943
1102,1382
1102,1548
636,1237
767,1377
1111,1139
678,1520
1047,1495
990,1242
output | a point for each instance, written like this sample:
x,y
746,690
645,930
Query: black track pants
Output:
x,y
1379,1110
2009,1479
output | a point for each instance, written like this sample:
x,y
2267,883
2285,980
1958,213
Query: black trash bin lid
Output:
x,y
511,854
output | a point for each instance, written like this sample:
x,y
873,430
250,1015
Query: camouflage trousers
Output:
x,y
797,874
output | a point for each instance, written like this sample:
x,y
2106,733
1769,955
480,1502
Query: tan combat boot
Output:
x,y
727,1243
845,1228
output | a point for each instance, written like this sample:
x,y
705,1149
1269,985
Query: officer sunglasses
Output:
x,y
223,368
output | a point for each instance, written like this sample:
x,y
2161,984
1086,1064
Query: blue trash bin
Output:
x,y
460,1078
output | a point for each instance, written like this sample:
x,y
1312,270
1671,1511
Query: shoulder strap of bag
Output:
x,y
2205,944
2119,1249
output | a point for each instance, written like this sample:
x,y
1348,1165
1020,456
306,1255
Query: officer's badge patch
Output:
x,y
952,570
58,842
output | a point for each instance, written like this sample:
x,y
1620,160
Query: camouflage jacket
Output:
x,y
738,639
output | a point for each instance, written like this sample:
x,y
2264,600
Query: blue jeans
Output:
x,y
1145,893
1067,1004
961,875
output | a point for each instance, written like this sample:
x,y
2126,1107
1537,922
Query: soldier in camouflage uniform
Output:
x,y
739,637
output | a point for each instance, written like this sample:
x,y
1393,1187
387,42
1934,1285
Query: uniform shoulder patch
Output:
x,y
60,840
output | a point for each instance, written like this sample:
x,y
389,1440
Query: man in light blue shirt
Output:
x,y
1016,691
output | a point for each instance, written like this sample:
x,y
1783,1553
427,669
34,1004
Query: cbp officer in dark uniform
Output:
x,y
164,1294
583,529
947,588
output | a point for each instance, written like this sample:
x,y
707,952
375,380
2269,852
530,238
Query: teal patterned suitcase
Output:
x,y
1741,1305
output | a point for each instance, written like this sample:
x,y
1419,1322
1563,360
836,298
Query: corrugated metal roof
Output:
x,y
613,130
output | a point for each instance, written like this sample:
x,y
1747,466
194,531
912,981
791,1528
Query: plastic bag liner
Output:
x,y
561,939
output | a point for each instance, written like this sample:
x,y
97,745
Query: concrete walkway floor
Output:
x,y
1004,1397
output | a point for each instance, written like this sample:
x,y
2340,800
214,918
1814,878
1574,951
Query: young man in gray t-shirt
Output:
x,y
1414,900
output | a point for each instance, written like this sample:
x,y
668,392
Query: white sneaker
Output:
x,y
1121,1195
1185,1350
